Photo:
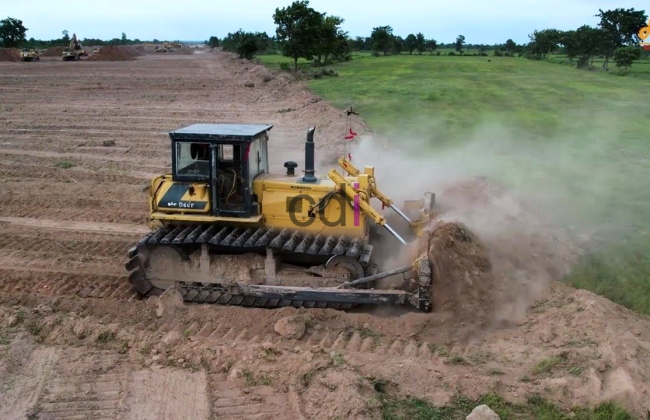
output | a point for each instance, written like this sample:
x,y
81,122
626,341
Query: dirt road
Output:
x,y
75,342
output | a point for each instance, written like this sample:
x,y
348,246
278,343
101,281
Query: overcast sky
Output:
x,y
486,22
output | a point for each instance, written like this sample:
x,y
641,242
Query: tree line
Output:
x,y
616,37
304,33
13,31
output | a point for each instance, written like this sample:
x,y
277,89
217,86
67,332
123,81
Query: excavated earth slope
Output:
x,y
75,155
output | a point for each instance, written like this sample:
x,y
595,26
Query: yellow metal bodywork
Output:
x,y
30,54
410,206
285,203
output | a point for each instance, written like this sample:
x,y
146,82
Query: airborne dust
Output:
x,y
533,206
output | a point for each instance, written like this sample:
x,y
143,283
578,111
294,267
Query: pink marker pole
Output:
x,y
357,206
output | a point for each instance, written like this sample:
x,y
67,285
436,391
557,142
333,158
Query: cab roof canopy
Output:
x,y
220,132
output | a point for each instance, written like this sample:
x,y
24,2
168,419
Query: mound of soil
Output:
x,y
9,54
116,53
493,255
53,52
463,280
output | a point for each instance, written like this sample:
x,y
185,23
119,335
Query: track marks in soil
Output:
x,y
122,228
18,279
167,394
351,342
24,386
84,384
15,172
230,401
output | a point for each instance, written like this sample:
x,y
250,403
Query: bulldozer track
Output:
x,y
233,239
229,239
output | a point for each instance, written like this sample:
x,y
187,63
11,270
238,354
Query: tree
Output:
x,y
66,38
625,56
544,42
124,40
588,42
12,32
245,44
460,41
213,42
621,26
420,43
568,40
361,44
410,43
510,46
330,36
342,52
382,39
431,45
298,30
398,45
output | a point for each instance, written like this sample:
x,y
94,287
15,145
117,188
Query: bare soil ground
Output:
x,y
75,341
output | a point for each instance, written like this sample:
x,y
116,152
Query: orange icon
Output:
x,y
644,33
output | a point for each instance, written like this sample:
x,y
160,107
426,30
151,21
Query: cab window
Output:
x,y
193,159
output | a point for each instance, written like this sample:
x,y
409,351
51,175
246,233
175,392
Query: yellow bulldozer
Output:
x,y
226,231
29,54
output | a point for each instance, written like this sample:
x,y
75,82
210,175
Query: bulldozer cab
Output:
x,y
225,157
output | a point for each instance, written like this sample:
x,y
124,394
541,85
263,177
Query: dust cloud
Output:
x,y
536,203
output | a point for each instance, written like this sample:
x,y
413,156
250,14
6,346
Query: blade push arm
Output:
x,y
350,193
374,191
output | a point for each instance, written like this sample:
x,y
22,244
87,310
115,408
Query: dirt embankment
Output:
x,y
9,54
116,53
53,52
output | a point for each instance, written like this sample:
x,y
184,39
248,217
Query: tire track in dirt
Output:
x,y
233,402
29,172
84,384
87,161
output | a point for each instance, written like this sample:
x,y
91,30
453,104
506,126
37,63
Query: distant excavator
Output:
x,y
75,51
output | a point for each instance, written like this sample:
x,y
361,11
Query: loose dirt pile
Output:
x,y
463,280
116,53
495,256
53,52
9,54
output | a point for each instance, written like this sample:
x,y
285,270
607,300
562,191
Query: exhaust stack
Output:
x,y
309,157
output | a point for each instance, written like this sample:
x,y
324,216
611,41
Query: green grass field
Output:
x,y
575,143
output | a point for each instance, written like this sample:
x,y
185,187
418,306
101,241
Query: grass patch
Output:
x,y
547,366
64,164
535,408
250,379
376,336
438,349
4,339
106,337
572,143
